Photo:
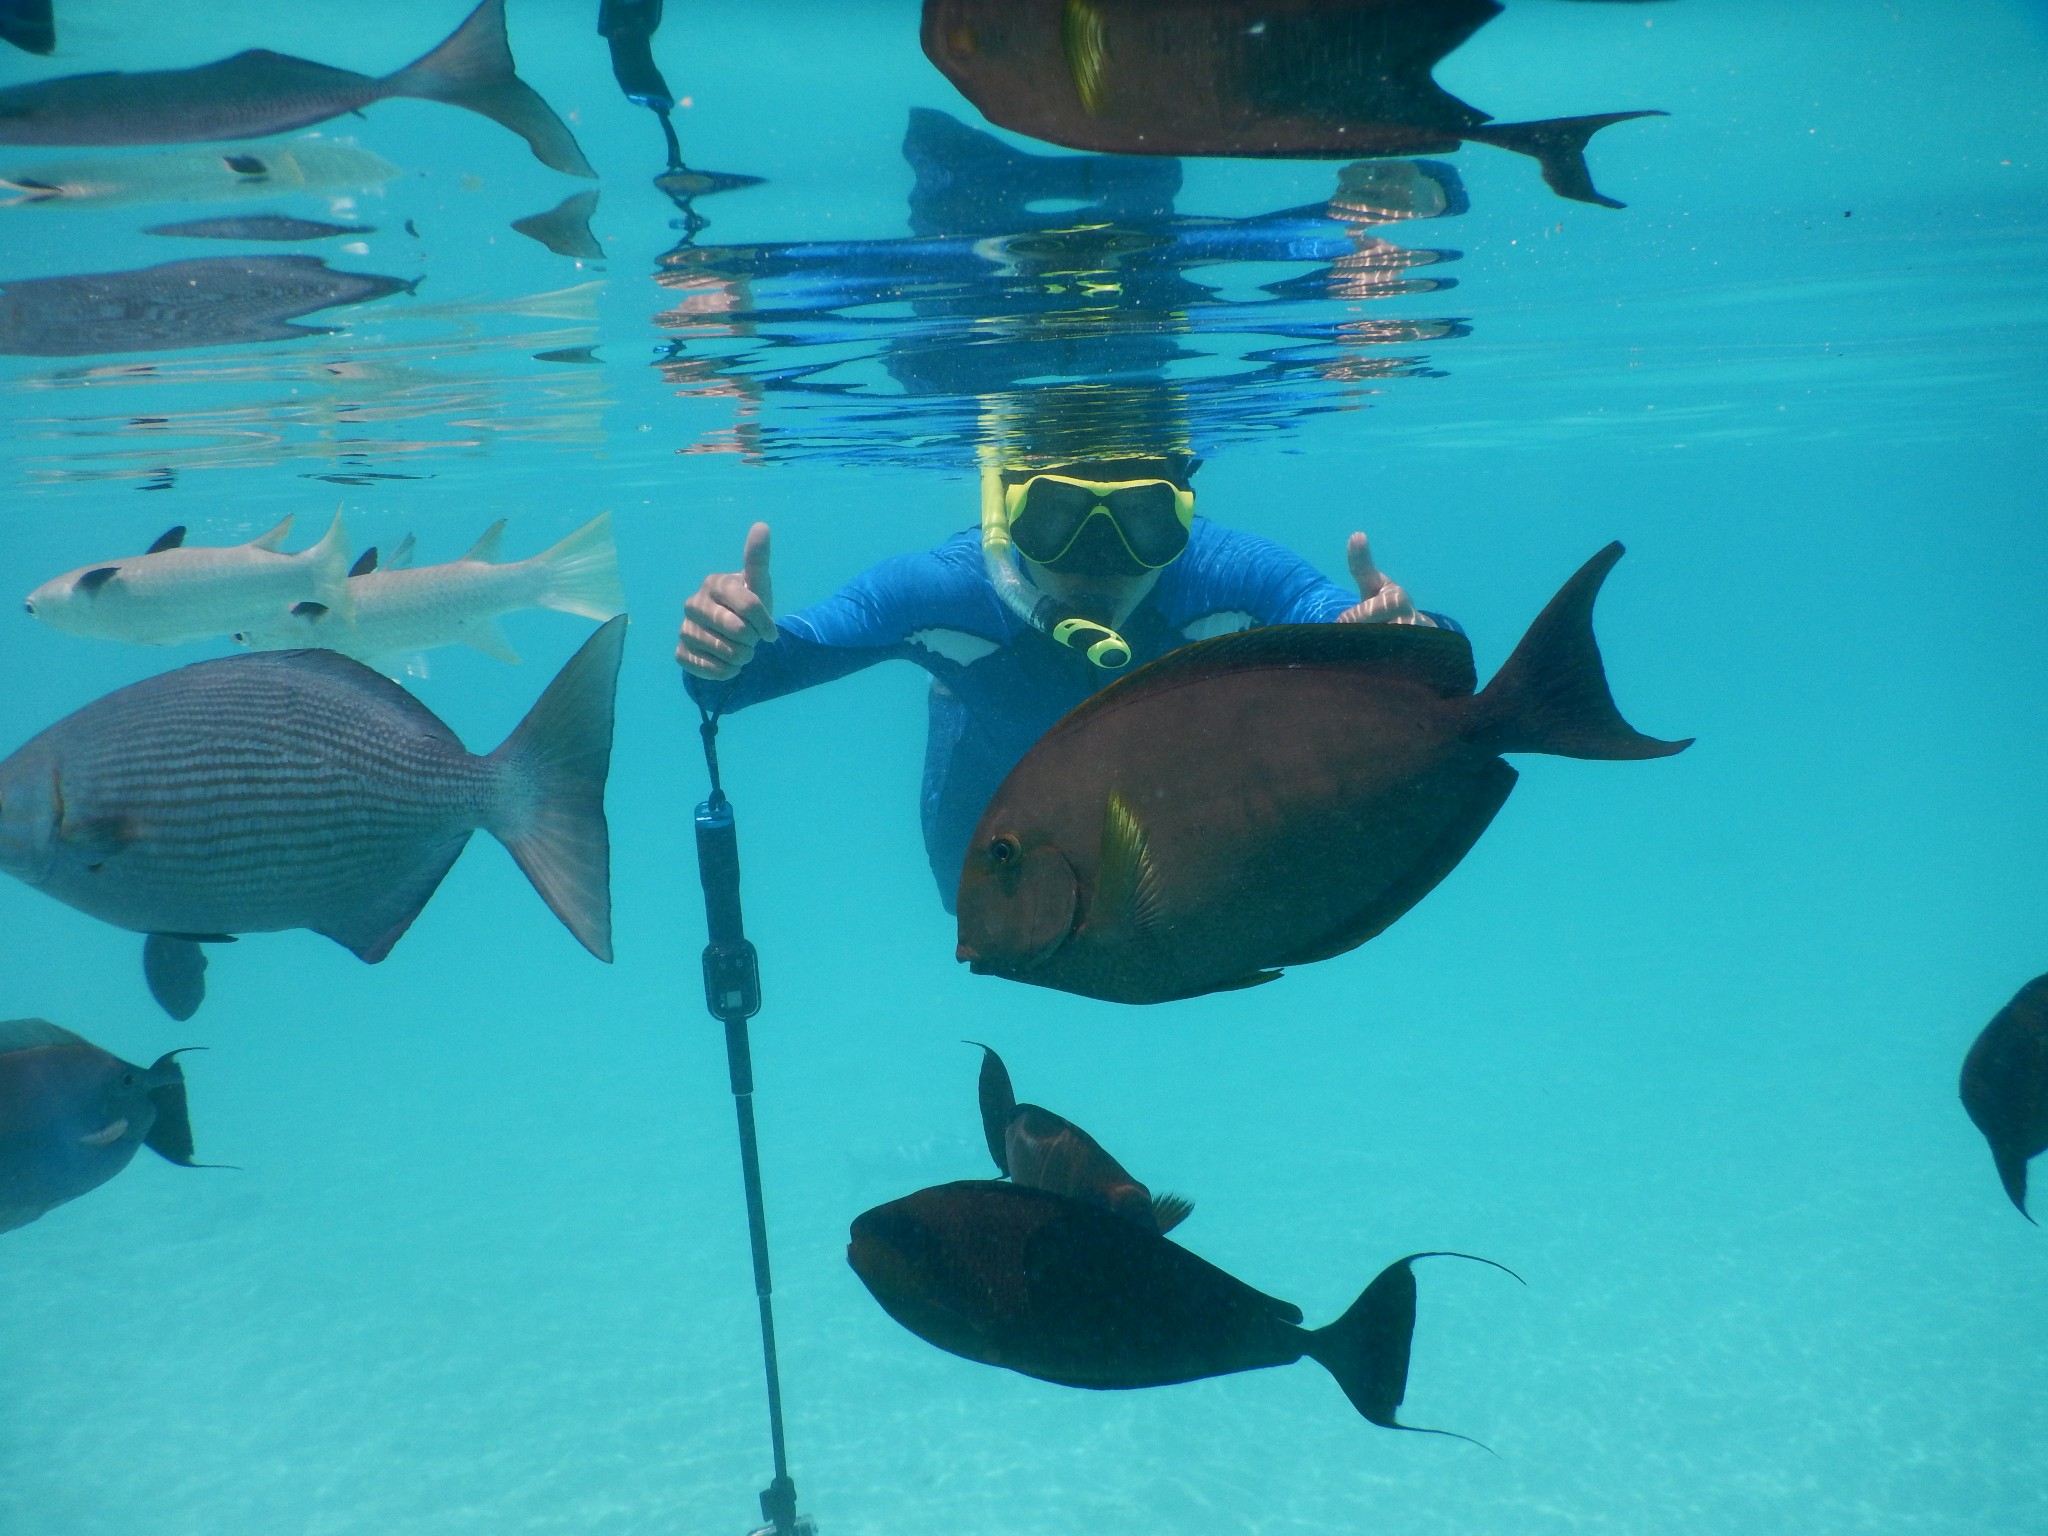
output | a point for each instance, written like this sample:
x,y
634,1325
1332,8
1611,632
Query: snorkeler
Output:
x,y
1078,572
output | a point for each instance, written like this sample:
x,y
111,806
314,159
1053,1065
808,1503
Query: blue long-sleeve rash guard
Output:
x,y
997,683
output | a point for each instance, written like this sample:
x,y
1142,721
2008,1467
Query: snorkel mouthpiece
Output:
x,y
1098,642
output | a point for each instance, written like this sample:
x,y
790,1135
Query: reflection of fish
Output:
x,y
398,611
1069,1293
29,24
72,1115
259,92
1269,798
1340,79
565,228
198,175
1041,1150
261,226
302,790
178,592
208,301
2005,1086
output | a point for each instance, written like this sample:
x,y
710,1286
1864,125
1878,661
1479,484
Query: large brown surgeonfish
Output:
x,y
1070,1293
1269,798
1041,1150
2005,1087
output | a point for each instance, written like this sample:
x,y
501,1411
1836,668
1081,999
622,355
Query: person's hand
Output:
x,y
1380,601
728,616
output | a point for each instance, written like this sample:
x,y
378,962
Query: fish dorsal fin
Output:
x,y
170,538
998,1105
486,548
29,1034
366,562
275,538
1126,882
401,557
1440,659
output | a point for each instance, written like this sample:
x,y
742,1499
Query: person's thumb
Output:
x,y
754,565
1358,554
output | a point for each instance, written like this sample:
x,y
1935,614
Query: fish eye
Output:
x,y
29,608
127,1079
1003,849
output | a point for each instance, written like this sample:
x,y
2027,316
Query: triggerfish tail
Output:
x,y
1551,694
474,69
583,572
1367,1348
1558,145
550,804
171,1137
330,562
998,1104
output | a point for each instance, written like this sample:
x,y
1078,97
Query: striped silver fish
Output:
x,y
300,789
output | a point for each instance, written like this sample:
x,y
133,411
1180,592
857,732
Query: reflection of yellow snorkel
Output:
x,y
1098,642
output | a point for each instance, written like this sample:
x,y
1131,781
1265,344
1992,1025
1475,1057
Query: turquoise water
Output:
x,y
1677,1041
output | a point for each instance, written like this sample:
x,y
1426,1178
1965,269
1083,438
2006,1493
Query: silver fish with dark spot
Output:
x,y
257,93
72,1115
209,301
299,789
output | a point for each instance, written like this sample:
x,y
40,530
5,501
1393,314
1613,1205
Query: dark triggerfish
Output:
x,y
72,1115
1269,798
1300,79
300,789
1042,1150
1070,1293
258,93
2005,1086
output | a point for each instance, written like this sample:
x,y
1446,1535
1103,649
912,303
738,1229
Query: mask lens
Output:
x,y
1050,519
1149,518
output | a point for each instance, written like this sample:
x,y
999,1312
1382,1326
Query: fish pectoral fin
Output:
x,y
1169,1211
488,636
98,839
91,581
1126,880
1255,979
175,967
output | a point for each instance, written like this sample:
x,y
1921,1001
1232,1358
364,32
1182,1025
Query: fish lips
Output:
x,y
1022,916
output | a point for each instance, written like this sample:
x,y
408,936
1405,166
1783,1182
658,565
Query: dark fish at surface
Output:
x,y
260,226
300,789
1041,1150
2005,1087
257,93
1300,79
1069,1293
1269,798
209,301
72,1115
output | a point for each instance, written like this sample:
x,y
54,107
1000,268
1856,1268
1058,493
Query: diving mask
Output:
x,y
1151,518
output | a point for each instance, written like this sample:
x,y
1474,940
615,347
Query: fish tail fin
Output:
x,y
330,562
552,769
998,1104
171,1137
1367,1348
472,68
2012,1173
1551,695
1558,145
583,572
1170,1211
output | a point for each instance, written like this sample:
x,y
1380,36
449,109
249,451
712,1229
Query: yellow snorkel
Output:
x,y
1098,642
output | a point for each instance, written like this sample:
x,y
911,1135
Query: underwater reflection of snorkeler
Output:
x,y
1079,570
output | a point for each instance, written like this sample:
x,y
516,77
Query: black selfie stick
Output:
x,y
732,991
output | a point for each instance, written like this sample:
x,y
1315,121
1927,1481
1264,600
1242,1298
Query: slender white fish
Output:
x,y
397,611
176,592
195,175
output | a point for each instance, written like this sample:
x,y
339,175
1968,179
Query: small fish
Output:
x,y
207,301
258,93
260,226
1041,1150
197,176
177,592
1240,78
565,228
2005,1087
72,1115
1069,1293
398,611
302,790
1269,798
